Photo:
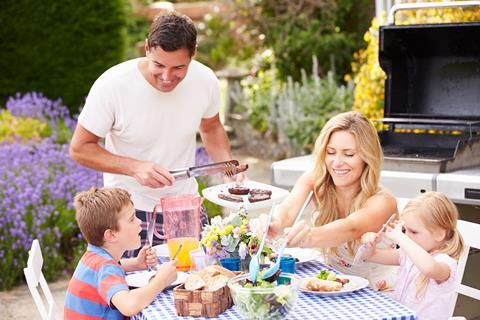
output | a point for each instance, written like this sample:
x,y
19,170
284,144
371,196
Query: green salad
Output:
x,y
326,275
264,304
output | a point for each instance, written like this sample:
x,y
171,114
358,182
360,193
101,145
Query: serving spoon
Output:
x,y
254,265
273,269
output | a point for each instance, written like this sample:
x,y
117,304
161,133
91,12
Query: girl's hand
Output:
x,y
395,230
371,239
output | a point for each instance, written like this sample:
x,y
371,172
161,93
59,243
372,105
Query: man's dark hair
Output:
x,y
173,31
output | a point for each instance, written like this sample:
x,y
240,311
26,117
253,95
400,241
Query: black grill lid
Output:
x,y
433,72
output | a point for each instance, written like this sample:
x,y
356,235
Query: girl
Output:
x,y
428,254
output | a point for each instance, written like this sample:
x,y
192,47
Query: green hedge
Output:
x,y
59,47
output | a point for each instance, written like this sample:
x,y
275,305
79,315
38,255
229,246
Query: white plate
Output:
x,y
278,195
304,254
141,278
356,283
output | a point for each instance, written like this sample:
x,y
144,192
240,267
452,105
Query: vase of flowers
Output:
x,y
231,236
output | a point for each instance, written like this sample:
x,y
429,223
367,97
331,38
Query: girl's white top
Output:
x,y
436,301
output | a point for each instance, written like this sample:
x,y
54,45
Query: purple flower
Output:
x,y
37,184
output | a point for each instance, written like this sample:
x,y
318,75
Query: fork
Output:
x,y
273,269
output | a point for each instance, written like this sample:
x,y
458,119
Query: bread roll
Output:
x,y
214,270
216,282
194,282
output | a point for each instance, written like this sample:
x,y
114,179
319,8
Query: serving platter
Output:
x,y
211,194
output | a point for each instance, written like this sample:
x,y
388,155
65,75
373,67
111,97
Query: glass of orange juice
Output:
x,y
183,257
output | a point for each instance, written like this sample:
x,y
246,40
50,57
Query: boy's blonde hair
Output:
x,y
369,149
97,210
437,212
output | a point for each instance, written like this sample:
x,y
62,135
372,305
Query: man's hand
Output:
x,y
238,178
152,175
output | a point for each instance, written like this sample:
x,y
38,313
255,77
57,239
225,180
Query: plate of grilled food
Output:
x,y
328,283
252,195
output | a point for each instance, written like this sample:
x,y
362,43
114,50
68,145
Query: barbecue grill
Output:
x,y
432,105
433,89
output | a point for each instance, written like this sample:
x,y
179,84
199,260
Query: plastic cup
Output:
x,y
231,263
200,260
287,265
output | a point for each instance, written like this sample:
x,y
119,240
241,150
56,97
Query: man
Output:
x,y
149,110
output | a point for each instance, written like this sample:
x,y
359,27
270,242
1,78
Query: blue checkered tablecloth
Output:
x,y
362,304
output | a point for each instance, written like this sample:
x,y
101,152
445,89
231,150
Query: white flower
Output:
x,y
236,232
217,220
242,250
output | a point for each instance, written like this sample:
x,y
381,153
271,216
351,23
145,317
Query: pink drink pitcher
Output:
x,y
181,225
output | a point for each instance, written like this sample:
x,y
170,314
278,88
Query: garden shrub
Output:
x,y
294,112
294,30
59,47
21,128
368,76
223,42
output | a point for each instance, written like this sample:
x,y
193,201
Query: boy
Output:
x,y
98,289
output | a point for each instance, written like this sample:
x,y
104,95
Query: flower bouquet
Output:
x,y
231,236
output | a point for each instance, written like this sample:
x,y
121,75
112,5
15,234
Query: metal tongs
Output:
x,y
229,168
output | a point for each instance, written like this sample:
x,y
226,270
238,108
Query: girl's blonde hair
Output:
x,y
437,212
370,151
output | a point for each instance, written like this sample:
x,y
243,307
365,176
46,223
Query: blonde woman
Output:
x,y
348,199
428,254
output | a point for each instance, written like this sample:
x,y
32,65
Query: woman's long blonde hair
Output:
x,y
436,212
370,151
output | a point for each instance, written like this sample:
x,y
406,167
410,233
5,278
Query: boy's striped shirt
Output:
x,y
96,279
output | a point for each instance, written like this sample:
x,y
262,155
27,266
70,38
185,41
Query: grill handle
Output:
x,y
428,5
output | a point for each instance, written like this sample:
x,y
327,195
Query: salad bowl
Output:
x,y
265,300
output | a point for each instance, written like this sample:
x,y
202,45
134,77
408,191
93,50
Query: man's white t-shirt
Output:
x,y
143,123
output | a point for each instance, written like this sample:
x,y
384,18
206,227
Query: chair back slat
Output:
x,y
469,232
35,261
34,276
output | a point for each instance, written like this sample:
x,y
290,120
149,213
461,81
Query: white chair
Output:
x,y
469,232
33,274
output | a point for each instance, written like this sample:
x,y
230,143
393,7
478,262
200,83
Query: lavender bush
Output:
x,y
37,185
38,181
